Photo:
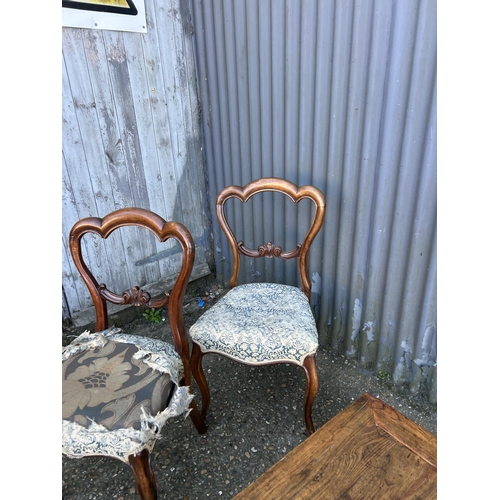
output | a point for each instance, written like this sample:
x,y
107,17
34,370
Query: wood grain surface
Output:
x,y
367,451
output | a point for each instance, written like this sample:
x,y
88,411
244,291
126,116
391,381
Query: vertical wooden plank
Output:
x,y
149,95
111,181
138,244
83,162
75,290
174,92
174,32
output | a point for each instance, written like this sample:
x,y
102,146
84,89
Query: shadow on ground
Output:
x,y
255,418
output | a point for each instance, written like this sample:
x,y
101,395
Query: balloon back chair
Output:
x,y
263,323
119,389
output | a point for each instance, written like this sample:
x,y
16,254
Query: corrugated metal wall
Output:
x,y
131,137
341,95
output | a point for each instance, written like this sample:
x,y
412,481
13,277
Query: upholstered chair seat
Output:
x,y
117,393
259,323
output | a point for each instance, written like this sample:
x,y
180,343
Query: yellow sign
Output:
x,y
119,15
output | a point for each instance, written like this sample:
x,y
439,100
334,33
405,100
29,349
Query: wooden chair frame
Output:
x,y
268,250
103,227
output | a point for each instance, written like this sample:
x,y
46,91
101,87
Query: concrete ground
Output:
x,y
255,419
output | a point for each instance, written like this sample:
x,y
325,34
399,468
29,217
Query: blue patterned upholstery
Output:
x,y
258,323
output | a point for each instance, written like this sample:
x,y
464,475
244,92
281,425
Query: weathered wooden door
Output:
x,y
131,137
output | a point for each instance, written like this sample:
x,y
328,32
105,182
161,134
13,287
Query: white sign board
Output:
x,y
118,15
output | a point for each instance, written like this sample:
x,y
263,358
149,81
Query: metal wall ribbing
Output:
x,y
341,95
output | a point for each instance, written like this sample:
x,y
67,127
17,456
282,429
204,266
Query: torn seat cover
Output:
x,y
118,390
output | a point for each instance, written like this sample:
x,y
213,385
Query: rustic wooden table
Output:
x,y
367,451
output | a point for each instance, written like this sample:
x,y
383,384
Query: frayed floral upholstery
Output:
x,y
258,323
117,393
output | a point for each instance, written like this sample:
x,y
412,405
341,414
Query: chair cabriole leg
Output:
x,y
312,388
196,418
143,475
199,376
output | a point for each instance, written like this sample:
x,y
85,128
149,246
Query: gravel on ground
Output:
x,y
255,418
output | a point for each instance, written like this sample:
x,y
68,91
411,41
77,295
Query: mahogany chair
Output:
x,y
263,323
119,389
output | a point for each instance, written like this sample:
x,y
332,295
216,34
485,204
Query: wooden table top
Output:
x,y
367,451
